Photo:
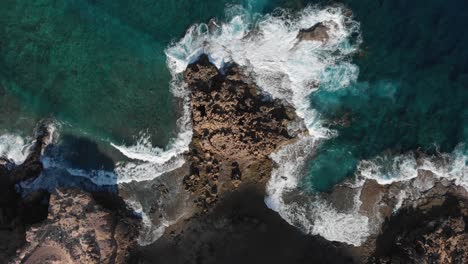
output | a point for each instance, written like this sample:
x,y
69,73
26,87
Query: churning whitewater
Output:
x,y
281,65
284,68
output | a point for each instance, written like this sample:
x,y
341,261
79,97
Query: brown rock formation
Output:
x,y
234,128
434,234
78,230
417,221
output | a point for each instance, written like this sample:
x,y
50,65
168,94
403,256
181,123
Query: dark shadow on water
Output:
x,y
84,153
72,160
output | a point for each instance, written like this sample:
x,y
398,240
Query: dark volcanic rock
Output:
x,y
436,234
17,212
318,32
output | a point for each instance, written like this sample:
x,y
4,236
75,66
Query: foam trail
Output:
x,y
149,162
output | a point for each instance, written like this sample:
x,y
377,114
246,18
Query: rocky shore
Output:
x,y
221,190
418,221
235,129
79,230
65,226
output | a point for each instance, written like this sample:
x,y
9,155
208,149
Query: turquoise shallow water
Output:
x,y
99,67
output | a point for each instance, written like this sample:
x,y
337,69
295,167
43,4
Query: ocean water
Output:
x,y
96,65
393,80
412,90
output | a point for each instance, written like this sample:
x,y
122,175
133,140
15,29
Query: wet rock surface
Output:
x,y
318,32
241,229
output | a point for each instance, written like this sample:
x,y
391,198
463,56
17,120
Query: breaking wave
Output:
x,y
14,148
284,68
312,214
386,169
267,46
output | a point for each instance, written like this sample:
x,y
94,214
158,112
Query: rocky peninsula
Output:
x,y
235,129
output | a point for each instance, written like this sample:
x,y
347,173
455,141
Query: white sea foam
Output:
x,y
386,169
267,46
311,214
14,147
149,162
149,232
348,227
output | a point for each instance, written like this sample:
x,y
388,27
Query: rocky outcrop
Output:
x,y
318,32
235,128
426,234
17,212
70,227
421,220
78,230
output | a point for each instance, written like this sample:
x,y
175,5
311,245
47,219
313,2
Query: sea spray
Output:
x,y
284,68
267,46
14,147
388,168
312,214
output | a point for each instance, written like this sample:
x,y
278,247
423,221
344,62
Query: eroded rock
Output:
x,y
235,129
78,230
